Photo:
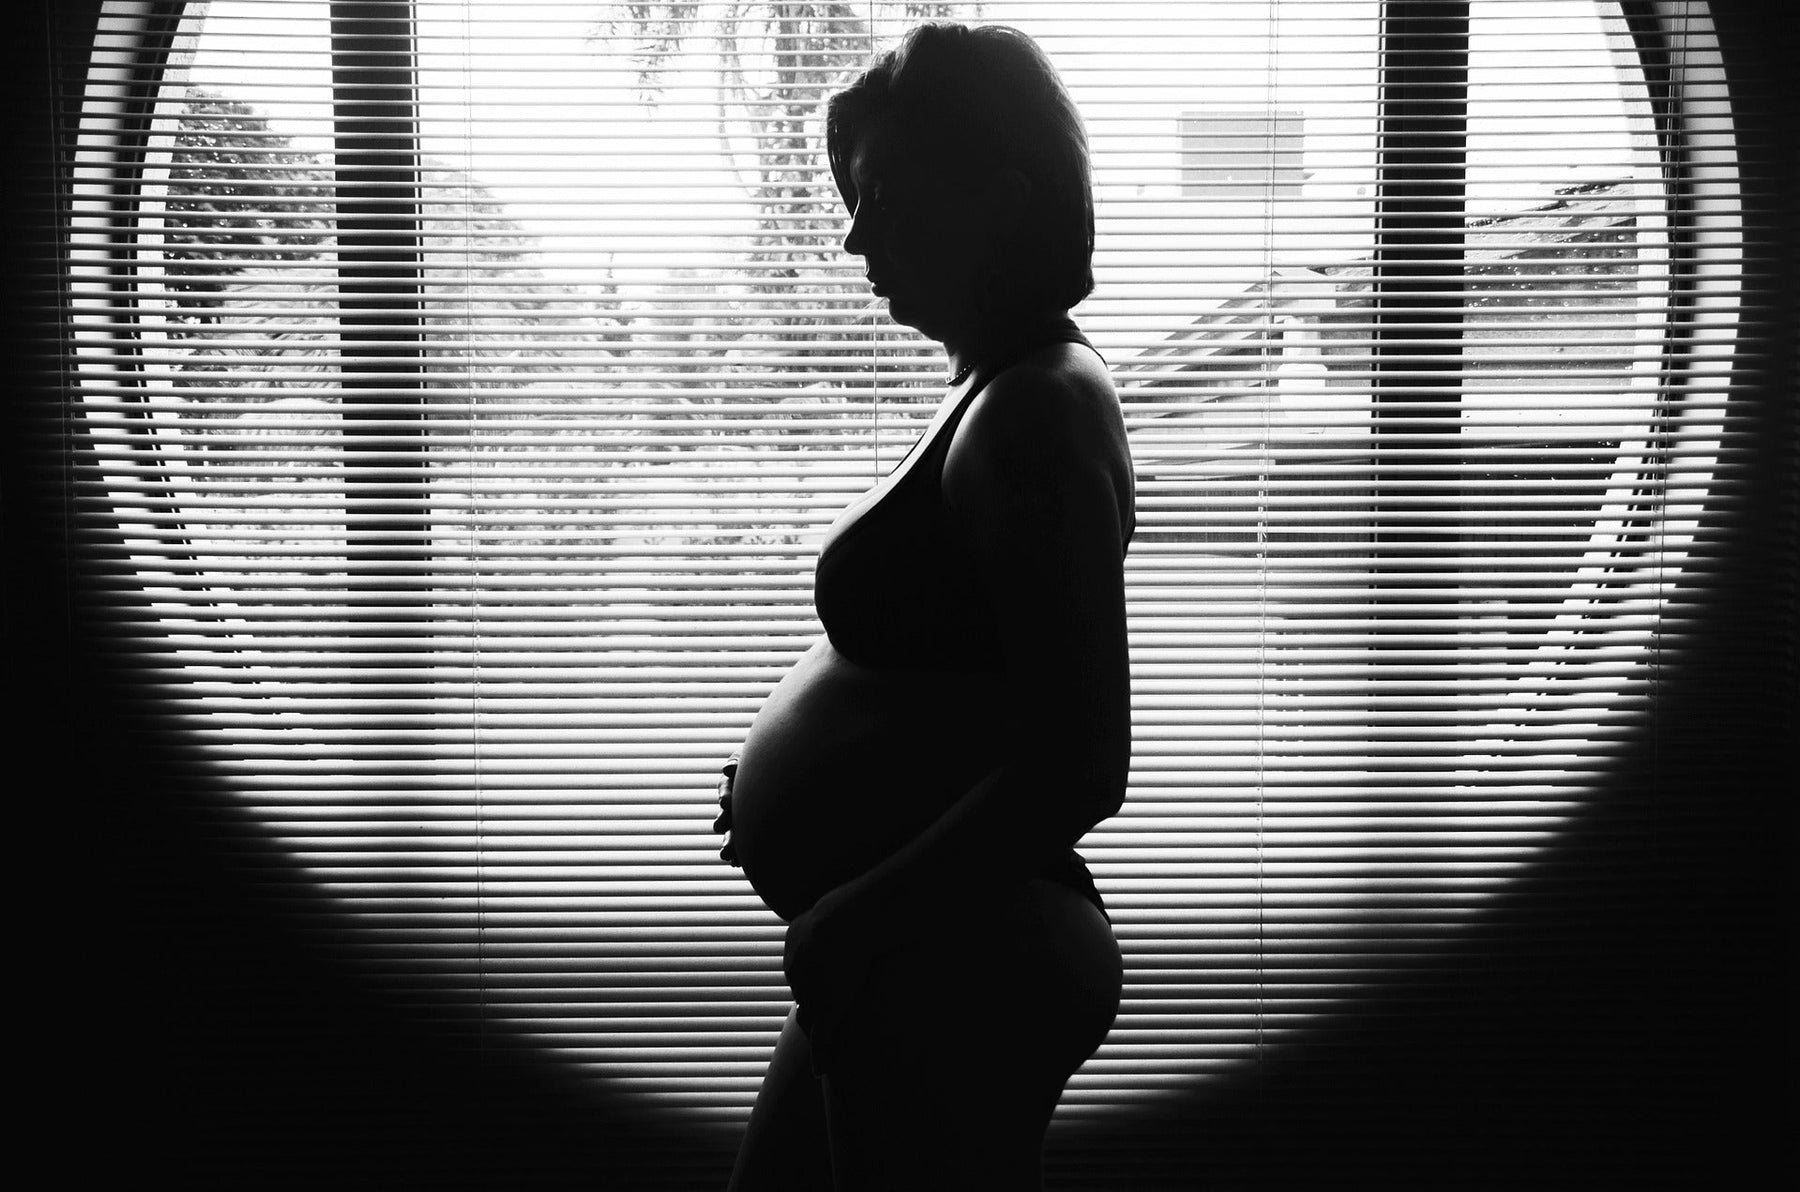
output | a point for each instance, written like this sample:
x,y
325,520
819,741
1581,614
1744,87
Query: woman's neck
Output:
x,y
1000,342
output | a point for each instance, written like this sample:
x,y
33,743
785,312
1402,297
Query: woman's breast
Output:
x,y
844,764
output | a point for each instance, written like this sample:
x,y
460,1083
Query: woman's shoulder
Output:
x,y
1059,397
1040,435
1067,369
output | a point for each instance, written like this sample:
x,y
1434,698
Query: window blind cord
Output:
x,y
1656,462
477,778
872,312
1271,393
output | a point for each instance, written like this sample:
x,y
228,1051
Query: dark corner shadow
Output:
x,y
1617,1018
190,1004
210,1018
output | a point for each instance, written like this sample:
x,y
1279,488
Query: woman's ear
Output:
x,y
1007,195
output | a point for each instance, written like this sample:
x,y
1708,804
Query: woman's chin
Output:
x,y
898,309
926,322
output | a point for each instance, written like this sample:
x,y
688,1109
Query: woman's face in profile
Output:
x,y
918,230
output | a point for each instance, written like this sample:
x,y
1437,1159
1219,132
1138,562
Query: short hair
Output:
x,y
987,97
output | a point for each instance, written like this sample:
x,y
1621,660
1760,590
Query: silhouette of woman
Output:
x,y
909,797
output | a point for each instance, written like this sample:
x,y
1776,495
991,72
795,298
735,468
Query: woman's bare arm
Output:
x,y
1039,481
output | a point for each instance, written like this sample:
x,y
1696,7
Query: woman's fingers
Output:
x,y
722,824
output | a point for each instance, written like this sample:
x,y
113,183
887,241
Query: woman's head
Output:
x,y
972,150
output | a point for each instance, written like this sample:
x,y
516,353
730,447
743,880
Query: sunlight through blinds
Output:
x,y
473,382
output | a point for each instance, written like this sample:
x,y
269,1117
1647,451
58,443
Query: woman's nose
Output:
x,y
856,240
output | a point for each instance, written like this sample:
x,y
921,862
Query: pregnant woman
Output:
x,y
909,797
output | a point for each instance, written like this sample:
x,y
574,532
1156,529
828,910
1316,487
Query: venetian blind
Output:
x,y
472,382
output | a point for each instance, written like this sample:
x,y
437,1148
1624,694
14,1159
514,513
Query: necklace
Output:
x,y
957,377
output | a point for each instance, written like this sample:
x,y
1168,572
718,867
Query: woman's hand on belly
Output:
x,y
722,824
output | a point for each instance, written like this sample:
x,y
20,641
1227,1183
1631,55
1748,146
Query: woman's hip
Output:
x,y
1033,969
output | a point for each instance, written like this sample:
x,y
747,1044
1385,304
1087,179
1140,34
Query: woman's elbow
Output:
x,y
1083,753
1088,797
1107,798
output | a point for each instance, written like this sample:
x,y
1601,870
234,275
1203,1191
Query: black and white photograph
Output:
x,y
872,596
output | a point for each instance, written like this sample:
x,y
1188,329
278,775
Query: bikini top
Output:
x,y
894,585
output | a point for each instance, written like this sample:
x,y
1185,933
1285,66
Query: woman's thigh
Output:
x,y
785,1146
947,1071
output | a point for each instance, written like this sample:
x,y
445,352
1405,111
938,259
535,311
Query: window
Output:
x,y
471,381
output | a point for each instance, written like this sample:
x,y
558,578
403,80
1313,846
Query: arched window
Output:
x,y
470,380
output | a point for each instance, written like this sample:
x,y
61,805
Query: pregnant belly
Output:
x,y
844,764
